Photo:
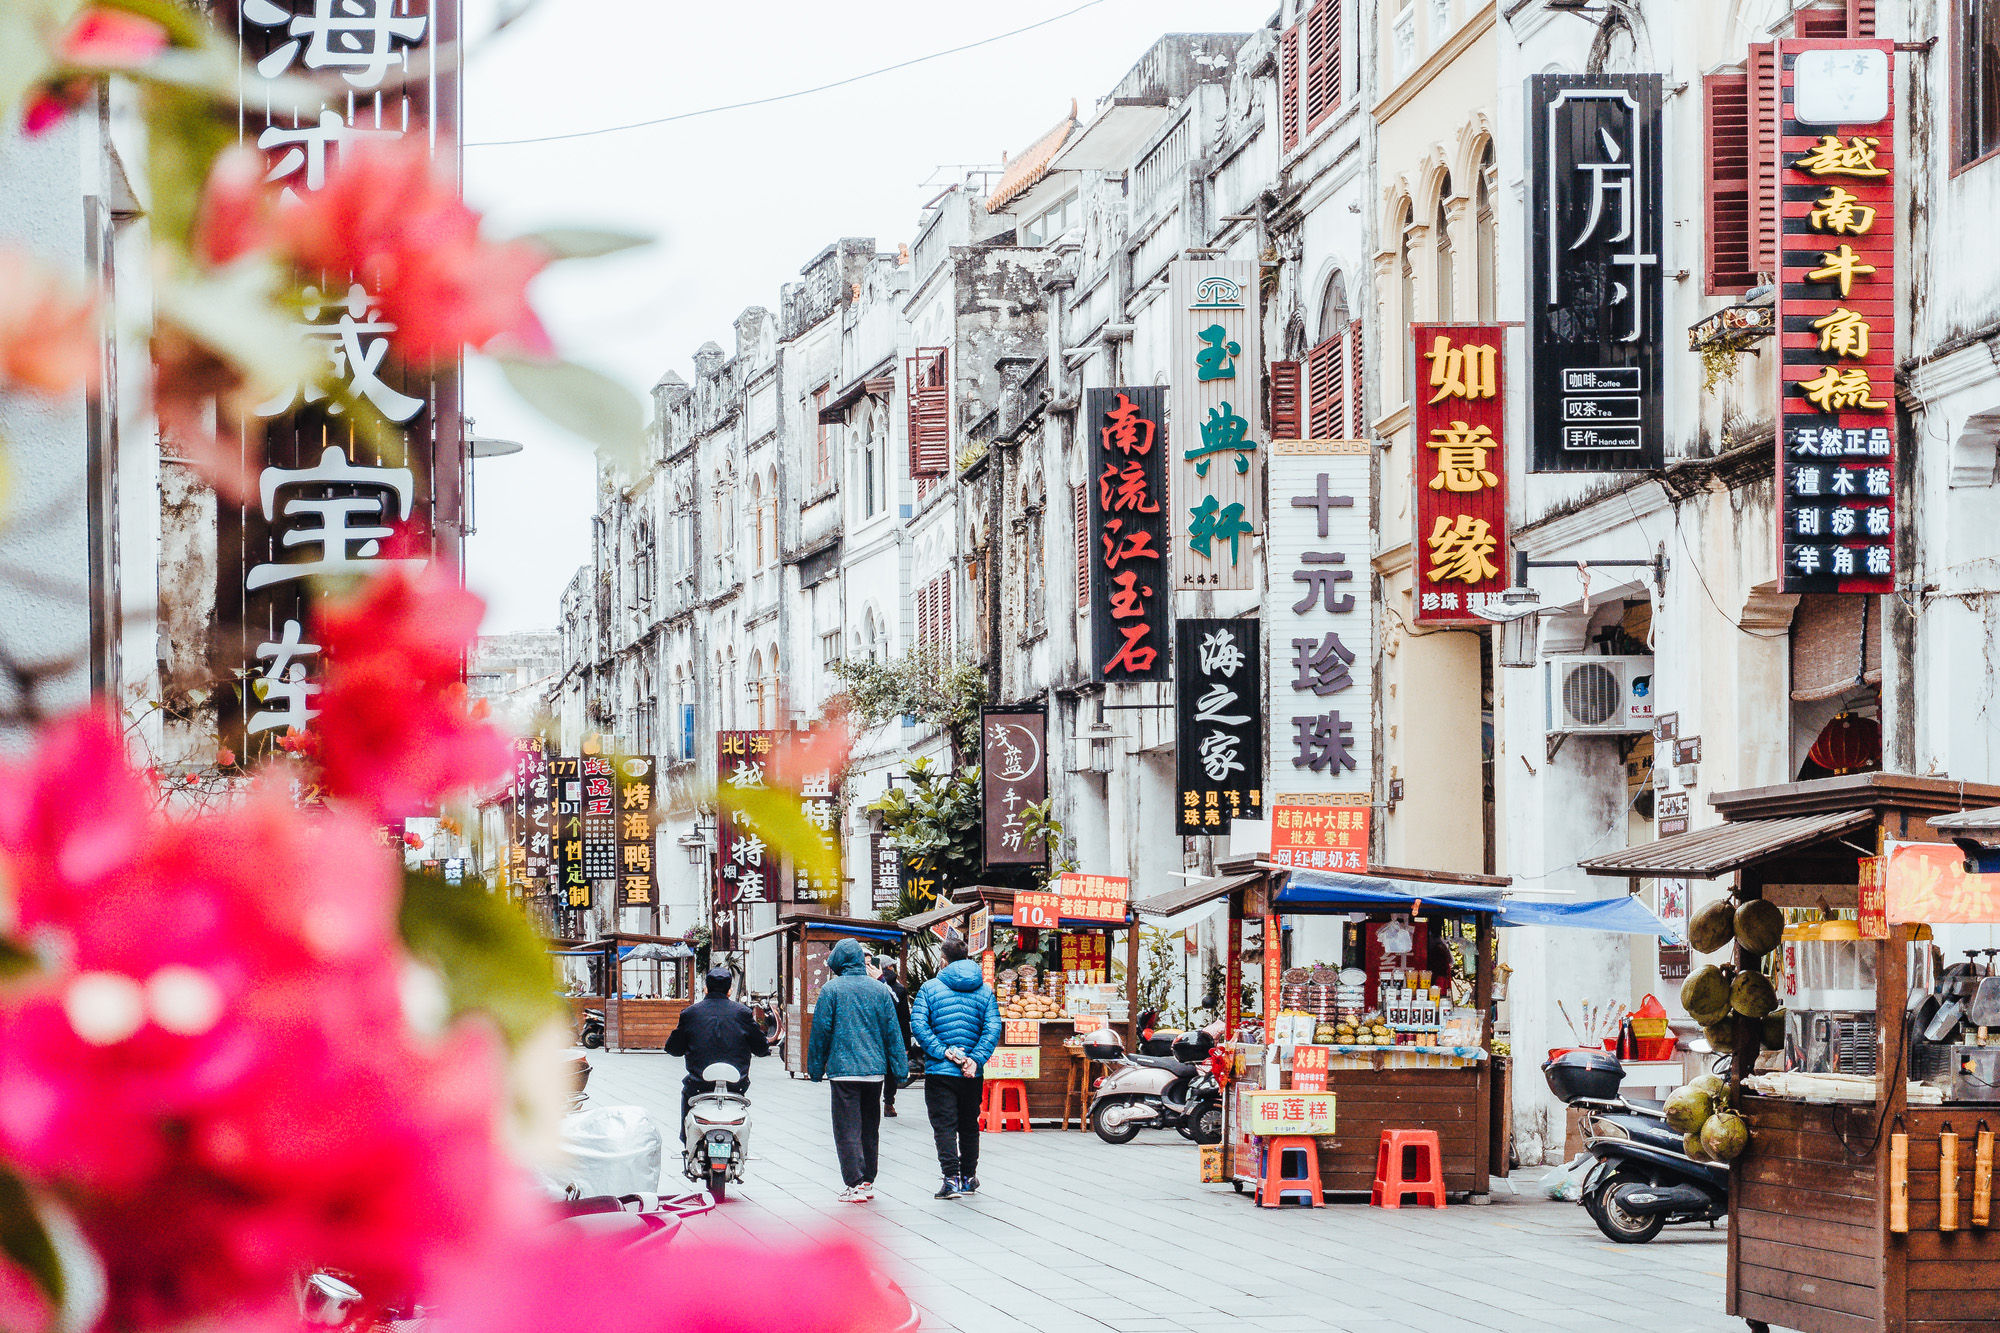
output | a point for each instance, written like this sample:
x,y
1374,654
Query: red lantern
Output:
x,y
1848,744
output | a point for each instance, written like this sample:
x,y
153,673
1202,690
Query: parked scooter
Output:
x,y
592,1032
1641,1179
718,1131
1168,1084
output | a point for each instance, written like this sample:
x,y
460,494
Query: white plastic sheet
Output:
x,y
611,1150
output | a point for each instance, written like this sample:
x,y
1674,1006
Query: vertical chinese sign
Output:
x,y
1219,718
1836,318
1013,772
1217,360
572,887
1126,482
638,877
742,762
1461,468
1596,296
1319,614
886,872
330,499
534,820
819,801
600,820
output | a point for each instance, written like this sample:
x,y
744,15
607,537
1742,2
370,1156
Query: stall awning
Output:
x,y
1194,893
1621,915
1322,891
1969,821
1709,852
923,921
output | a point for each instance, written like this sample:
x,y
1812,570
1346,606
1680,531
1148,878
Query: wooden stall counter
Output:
x,y
1053,1094
644,1024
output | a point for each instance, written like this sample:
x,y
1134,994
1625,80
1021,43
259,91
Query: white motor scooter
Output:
x,y
718,1131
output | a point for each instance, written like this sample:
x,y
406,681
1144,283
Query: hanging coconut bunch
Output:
x,y
1717,996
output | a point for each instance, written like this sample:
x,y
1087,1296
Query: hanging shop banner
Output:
x,y
1272,943
1928,882
1013,773
1217,360
886,873
1836,317
572,886
1037,911
1327,832
1319,616
332,499
534,802
1461,471
1219,718
638,877
600,819
1129,593
819,802
1871,901
744,872
1094,897
1596,296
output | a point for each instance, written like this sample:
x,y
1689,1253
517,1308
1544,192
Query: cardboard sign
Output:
x,y
1090,1022
1036,911
1309,1068
1015,1062
1290,1113
1020,1032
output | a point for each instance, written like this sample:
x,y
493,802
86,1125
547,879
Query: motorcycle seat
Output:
x,y
1166,1062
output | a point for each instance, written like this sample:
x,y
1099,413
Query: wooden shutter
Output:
x,y
1288,86
1322,62
1763,166
1356,417
1852,19
1286,409
1326,378
930,412
1082,507
1726,111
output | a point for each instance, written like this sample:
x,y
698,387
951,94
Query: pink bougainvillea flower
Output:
x,y
48,331
106,38
391,215
235,212
425,620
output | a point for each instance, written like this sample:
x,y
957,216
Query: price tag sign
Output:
x,y
1036,911
1309,1068
1015,1062
1089,1022
1020,1032
1873,917
1290,1113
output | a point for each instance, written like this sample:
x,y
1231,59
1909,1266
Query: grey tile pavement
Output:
x,y
1072,1235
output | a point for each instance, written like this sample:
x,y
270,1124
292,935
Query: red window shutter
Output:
x,y
1081,505
1860,18
1726,109
1852,19
1763,166
1356,418
1285,413
1326,377
1322,61
1288,86
930,412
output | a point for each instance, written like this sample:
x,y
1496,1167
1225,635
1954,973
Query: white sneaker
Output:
x,y
852,1194
864,1192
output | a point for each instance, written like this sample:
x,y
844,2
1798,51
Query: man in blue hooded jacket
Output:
x,y
856,1042
957,1021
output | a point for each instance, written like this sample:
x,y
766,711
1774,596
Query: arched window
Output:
x,y
869,446
1446,273
753,689
1404,225
1333,316
869,636
1485,239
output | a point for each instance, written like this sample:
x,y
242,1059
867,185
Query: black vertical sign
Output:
x,y
1013,772
1595,291
637,875
1129,591
1219,723
567,878
600,820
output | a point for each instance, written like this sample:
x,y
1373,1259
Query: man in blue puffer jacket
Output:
x,y
856,1042
957,1021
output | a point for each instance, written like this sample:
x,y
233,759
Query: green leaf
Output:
x,y
583,242
492,961
237,315
15,959
29,31
579,399
25,1240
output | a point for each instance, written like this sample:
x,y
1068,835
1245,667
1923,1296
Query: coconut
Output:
x,y
1722,1035
1691,1145
1759,926
1752,995
1712,1084
1713,927
1705,994
1774,1030
1687,1109
1725,1136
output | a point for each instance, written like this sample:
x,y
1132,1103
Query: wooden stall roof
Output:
x,y
923,921
1196,892
1856,791
1969,821
824,921
1706,853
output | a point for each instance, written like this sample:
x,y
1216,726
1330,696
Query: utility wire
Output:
x,y
786,97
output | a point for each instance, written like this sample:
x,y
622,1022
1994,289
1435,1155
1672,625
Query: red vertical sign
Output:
x,y
1273,960
1127,484
1461,471
1873,916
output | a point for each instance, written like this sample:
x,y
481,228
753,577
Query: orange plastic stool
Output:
x,y
1277,1182
1424,1176
1004,1106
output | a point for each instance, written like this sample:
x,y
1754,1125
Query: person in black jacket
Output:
x,y
716,1029
884,969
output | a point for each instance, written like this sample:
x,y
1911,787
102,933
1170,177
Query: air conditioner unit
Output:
x,y
1599,696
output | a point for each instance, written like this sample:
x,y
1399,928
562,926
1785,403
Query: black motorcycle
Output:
x,y
1641,1178
592,1032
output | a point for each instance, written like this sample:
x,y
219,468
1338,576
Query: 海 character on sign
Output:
x,y
1462,550
1221,654
1217,358
361,37
344,547
1322,664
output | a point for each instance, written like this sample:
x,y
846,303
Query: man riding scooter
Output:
x,y
715,1030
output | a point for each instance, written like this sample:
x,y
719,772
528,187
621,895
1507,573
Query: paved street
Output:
x,y
1072,1234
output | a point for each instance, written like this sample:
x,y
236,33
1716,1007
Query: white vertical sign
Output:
x,y
1218,423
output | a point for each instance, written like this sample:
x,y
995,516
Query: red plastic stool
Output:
x,y
1276,1182
1004,1106
1408,1162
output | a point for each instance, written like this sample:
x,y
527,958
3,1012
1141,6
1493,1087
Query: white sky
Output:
x,y
739,200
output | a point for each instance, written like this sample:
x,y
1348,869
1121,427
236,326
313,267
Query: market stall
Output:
x,y
1853,1205
804,941
647,977
1051,973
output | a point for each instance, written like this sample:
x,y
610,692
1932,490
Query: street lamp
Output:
x,y
482,446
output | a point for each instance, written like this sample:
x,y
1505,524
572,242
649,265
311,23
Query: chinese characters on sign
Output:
x,y
745,868
1596,293
1219,718
534,812
572,886
1093,897
886,882
1217,356
819,802
1318,616
1872,901
1836,328
1309,1068
1015,1062
1037,911
600,819
1129,593
1325,833
637,875
1273,1113
1461,546
1085,957
1013,773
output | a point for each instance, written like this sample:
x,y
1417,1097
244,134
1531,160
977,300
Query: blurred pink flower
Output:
x,y
48,332
107,38
234,216
424,620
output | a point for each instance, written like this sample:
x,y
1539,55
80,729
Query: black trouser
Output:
x,y
691,1087
857,1130
953,1104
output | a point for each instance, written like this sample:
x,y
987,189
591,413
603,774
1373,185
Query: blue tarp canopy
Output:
x,y
1324,891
